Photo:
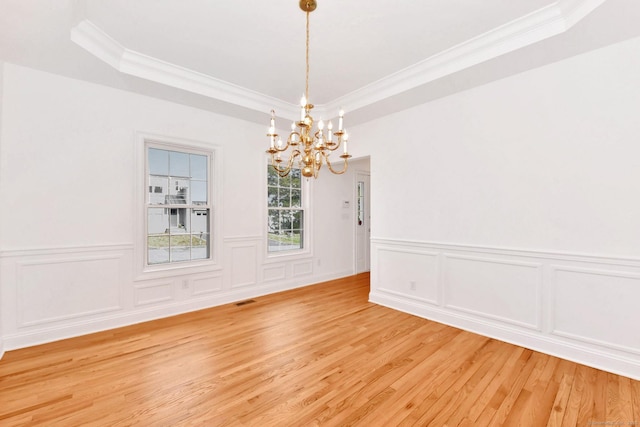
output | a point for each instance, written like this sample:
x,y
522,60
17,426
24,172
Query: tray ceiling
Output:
x,y
245,57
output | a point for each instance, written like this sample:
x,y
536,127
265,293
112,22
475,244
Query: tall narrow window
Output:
x,y
285,211
360,203
178,205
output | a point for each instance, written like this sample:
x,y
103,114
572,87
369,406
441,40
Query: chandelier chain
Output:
x,y
306,84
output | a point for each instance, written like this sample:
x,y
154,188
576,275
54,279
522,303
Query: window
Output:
x,y
360,205
285,211
178,206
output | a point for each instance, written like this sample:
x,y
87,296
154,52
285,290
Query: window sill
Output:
x,y
172,270
271,258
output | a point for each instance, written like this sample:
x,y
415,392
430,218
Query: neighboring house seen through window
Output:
x,y
178,205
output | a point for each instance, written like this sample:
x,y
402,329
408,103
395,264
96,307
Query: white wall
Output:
x,y
68,171
514,208
1,210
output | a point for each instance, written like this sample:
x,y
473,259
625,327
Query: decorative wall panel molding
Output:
x,y
204,285
153,293
57,251
302,268
409,271
579,307
61,288
243,264
274,272
597,306
503,290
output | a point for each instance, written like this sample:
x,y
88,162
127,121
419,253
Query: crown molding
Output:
x,y
546,22
90,37
575,10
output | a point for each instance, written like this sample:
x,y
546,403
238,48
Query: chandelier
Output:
x,y
311,148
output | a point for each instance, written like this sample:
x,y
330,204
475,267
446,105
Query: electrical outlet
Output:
x,y
412,285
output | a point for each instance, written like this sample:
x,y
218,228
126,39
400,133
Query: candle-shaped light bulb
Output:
x,y
303,105
293,135
340,119
273,119
279,143
303,101
321,130
330,130
346,138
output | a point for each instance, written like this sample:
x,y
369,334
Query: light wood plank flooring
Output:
x,y
320,355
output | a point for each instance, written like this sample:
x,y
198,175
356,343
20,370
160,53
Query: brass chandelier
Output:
x,y
311,148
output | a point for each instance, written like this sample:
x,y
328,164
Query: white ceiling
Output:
x,y
243,57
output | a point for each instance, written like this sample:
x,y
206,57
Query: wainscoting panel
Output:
x,y
409,272
208,284
61,288
153,293
302,268
275,272
506,291
584,297
244,264
575,306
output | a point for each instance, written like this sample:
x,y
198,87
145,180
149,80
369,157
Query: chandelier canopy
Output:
x,y
311,148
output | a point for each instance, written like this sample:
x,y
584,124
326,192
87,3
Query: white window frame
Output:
x,y
143,269
307,220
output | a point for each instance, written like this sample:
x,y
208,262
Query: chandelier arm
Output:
x,y
277,168
340,172
283,174
283,149
285,171
335,145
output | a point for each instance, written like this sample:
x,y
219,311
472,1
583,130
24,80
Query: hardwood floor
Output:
x,y
320,355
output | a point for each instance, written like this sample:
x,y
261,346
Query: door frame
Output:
x,y
357,175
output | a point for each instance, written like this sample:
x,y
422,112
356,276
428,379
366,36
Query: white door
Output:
x,y
363,227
